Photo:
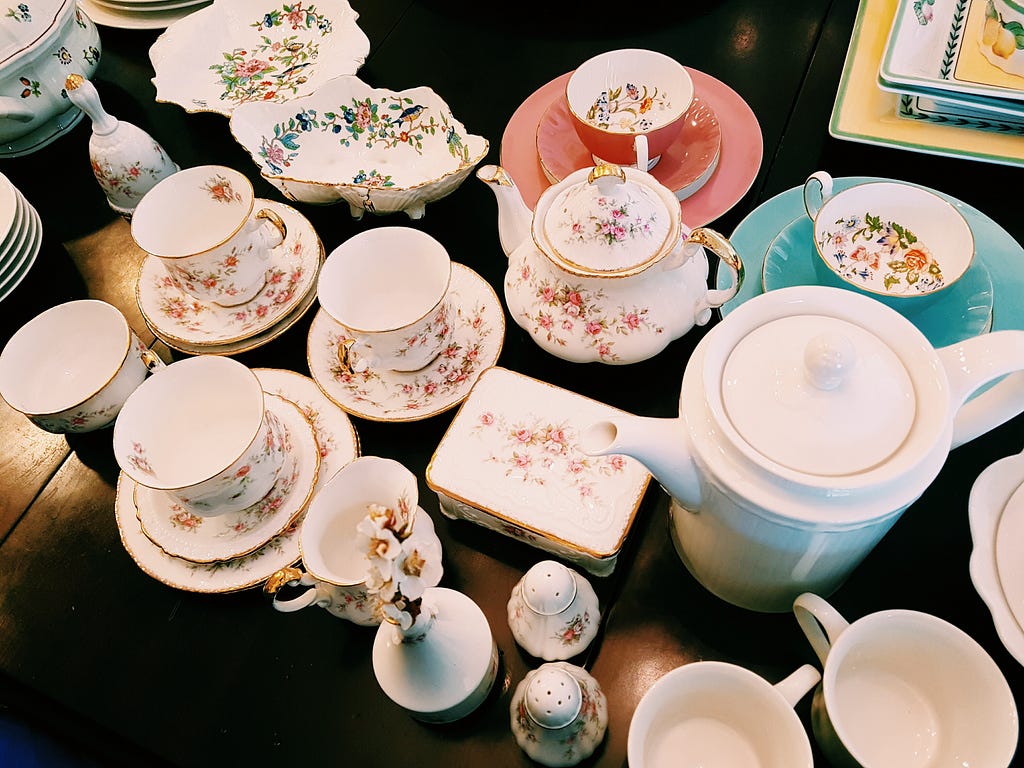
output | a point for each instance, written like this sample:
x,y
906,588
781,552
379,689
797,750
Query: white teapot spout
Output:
x,y
661,445
515,219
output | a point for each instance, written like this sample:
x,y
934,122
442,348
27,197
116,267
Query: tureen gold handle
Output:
x,y
604,170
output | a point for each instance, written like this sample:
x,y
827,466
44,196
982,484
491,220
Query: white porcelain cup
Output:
x,y
200,223
200,432
388,288
710,713
71,368
903,689
333,563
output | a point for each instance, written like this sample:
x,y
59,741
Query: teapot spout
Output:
x,y
515,219
661,445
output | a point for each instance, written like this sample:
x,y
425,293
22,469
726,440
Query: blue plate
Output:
x,y
1000,253
963,310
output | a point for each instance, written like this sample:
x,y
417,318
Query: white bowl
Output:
x,y
376,149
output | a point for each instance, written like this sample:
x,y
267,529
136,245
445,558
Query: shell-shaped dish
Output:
x,y
378,150
239,51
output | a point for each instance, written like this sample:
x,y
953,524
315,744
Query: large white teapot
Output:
x,y
603,270
809,419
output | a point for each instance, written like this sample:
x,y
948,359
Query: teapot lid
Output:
x,y
607,222
818,394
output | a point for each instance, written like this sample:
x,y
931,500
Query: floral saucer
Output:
x,y
684,168
963,311
394,396
739,160
207,539
176,317
339,444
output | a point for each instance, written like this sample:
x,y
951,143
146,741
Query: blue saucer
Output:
x,y
963,310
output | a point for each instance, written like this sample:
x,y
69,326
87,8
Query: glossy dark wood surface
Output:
x,y
132,672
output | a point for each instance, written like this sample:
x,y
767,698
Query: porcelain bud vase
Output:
x,y
126,161
442,667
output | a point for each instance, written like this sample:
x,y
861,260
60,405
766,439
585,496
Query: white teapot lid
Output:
x,y
609,222
817,394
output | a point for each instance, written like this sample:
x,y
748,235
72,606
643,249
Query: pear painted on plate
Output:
x,y
1005,43
990,33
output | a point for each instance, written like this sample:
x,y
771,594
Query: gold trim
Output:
x,y
266,214
497,176
719,245
420,415
438,488
605,170
280,578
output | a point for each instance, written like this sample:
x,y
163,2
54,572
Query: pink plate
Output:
x,y
739,162
684,167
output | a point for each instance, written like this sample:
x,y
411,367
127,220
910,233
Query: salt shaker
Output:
x,y
553,611
559,714
126,161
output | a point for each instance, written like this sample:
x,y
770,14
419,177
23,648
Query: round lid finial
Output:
x,y
548,588
829,358
553,698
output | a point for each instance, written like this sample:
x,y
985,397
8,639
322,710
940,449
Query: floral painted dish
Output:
x,y
477,339
177,317
684,167
378,150
237,52
511,461
990,495
339,444
965,310
235,534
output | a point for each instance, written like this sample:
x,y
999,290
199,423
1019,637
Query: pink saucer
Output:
x,y
739,162
684,167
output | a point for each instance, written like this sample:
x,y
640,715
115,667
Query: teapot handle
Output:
x,y
972,364
720,246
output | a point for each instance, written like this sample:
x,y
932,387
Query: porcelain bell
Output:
x,y
559,714
604,270
553,612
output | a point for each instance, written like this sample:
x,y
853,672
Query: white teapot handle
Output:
x,y
975,362
722,248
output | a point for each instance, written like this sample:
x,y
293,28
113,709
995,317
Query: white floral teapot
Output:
x,y
603,270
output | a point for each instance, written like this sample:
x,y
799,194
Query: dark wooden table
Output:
x,y
132,672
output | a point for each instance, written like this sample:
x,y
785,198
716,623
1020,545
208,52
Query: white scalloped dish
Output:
x,y
241,51
378,150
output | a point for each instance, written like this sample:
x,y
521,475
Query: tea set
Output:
x,y
810,417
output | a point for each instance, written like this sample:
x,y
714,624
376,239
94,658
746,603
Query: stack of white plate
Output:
x,y
140,14
21,234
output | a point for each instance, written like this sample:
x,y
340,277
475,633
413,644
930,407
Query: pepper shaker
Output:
x,y
126,161
553,611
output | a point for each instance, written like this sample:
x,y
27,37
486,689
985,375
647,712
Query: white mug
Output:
x,y
904,689
714,713
71,368
388,289
200,223
200,431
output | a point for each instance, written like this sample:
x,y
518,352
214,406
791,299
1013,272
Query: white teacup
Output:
x,y
200,432
71,368
335,565
714,713
200,223
388,288
893,241
903,689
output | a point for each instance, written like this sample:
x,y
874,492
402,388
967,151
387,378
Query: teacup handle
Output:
x,y
821,623
796,686
642,153
265,214
291,577
351,359
151,360
821,183
722,248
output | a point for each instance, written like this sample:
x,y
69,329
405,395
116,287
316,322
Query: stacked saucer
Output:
x,y
21,234
140,14
198,327
242,549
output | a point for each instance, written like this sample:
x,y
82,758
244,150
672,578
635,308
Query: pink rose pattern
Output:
x,y
130,181
535,450
565,313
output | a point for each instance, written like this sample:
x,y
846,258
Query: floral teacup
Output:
x,y
200,432
890,240
199,223
388,288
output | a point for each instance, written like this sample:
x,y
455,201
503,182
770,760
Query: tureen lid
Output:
x,y
818,394
25,23
607,222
